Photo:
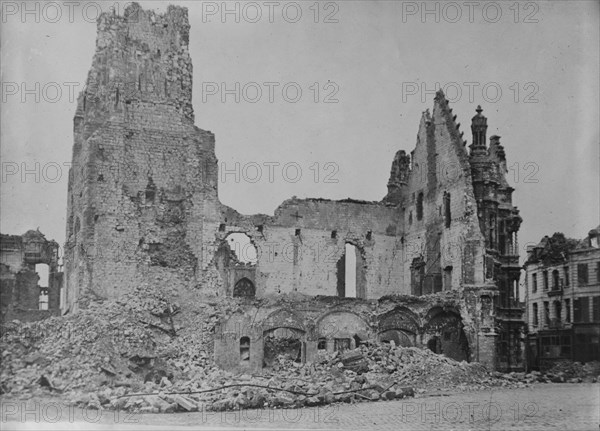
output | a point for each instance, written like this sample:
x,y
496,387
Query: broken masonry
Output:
x,y
443,241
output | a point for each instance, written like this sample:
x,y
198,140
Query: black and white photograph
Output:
x,y
304,215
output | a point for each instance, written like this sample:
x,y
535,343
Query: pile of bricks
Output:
x,y
145,353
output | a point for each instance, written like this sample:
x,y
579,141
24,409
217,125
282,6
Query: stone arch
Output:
x,y
400,325
283,334
342,329
283,318
244,288
443,332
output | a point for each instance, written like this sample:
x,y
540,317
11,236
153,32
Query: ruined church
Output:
x,y
434,263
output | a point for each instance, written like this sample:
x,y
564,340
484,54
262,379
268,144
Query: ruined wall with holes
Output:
x,y
244,339
143,206
20,284
300,246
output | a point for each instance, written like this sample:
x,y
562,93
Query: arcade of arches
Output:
x,y
253,338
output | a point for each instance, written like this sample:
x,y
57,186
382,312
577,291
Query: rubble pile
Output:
x,y
368,373
425,369
69,352
573,372
145,353
108,343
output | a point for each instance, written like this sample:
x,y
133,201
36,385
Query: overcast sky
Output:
x,y
380,61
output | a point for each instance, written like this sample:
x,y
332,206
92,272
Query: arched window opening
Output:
x,y
420,206
245,348
244,288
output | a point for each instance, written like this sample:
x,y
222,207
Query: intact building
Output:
x,y
143,206
563,299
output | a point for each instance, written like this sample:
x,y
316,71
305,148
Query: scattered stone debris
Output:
x,y
107,356
574,372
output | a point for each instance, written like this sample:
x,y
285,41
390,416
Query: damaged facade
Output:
x,y
563,300
24,295
433,264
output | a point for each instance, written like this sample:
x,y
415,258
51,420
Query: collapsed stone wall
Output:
x,y
143,205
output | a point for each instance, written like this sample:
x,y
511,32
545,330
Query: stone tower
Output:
x,y
142,176
499,221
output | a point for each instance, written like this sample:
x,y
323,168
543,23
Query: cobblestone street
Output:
x,y
540,407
